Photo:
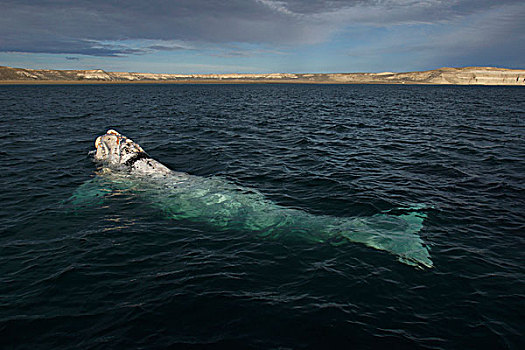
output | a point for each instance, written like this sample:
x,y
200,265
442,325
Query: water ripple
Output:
x,y
122,275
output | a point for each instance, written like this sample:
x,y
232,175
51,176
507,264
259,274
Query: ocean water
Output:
x,y
120,274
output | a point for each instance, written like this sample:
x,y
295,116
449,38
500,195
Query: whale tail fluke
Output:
x,y
397,234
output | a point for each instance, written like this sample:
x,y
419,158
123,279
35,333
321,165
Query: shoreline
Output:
x,y
227,82
199,81
442,76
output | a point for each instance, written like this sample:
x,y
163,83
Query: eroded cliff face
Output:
x,y
455,76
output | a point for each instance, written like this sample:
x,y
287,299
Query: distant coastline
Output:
x,y
441,76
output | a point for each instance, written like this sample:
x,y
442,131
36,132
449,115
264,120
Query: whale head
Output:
x,y
116,149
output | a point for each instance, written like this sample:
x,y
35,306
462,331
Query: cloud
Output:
x,y
165,48
495,36
111,28
234,51
68,46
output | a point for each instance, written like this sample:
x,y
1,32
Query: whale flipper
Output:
x,y
94,191
91,193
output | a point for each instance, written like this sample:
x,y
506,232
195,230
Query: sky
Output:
x,y
261,36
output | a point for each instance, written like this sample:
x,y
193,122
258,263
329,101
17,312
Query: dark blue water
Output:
x,y
120,275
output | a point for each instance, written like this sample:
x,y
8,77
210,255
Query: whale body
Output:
x,y
225,205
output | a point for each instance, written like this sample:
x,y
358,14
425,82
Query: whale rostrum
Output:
x,y
222,204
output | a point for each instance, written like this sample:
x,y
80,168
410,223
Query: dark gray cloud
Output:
x,y
76,27
105,27
49,45
166,48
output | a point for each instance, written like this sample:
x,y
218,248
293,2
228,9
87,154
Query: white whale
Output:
x,y
222,204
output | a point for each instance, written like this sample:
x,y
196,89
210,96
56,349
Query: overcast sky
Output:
x,y
223,36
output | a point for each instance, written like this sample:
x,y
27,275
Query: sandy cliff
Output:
x,y
455,76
